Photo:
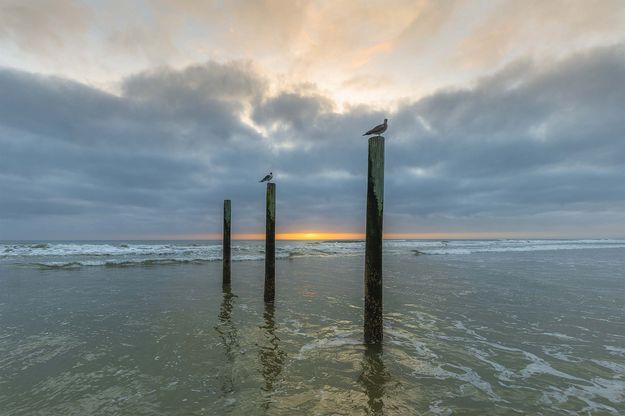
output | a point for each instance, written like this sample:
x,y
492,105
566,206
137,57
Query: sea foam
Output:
x,y
64,255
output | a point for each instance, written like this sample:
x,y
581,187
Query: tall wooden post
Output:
x,y
270,244
226,242
373,246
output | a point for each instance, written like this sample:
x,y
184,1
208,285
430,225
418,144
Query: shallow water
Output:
x,y
508,332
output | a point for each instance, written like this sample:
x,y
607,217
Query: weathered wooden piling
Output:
x,y
226,242
373,245
270,244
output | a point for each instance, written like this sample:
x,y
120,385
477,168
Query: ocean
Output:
x,y
472,327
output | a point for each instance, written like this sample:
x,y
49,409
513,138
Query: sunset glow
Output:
x,y
137,119
320,235
294,207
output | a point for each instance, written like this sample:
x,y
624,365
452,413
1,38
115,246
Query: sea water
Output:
x,y
471,327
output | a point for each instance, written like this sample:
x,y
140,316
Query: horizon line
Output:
x,y
317,236
322,235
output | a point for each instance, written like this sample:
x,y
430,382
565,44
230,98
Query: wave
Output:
x,y
526,246
113,264
296,254
140,262
128,254
105,249
342,241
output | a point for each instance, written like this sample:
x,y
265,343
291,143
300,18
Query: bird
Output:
x,y
379,129
267,178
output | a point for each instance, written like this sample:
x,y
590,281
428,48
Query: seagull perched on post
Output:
x,y
267,178
379,129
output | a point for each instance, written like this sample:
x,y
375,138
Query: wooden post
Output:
x,y
226,243
373,245
270,244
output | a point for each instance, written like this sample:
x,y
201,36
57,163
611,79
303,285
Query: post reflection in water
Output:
x,y
270,354
374,378
229,338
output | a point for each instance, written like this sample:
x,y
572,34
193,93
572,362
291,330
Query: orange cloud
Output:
x,y
420,45
550,28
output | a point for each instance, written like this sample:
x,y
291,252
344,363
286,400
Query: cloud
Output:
x,y
292,109
44,25
348,49
515,29
535,147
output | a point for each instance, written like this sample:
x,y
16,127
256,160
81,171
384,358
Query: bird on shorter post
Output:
x,y
267,178
379,129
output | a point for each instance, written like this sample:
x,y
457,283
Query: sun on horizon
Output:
x,y
333,235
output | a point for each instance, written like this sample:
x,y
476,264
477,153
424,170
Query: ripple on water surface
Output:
x,y
471,335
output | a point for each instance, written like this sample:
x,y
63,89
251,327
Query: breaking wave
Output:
x,y
72,255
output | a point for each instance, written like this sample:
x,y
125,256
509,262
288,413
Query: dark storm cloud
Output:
x,y
531,147
531,140
292,109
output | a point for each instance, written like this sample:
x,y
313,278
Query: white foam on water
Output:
x,y
562,336
469,376
503,373
428,369
340,339
435,409
612,390
252,251
120,262
539,366
557,353
404,338
459,325
523,246
615,367
607,389
104,249
615,350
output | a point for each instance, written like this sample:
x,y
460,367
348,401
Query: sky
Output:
x,y
136,119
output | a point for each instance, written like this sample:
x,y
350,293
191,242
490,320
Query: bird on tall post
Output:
x,y
378,130
267,178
